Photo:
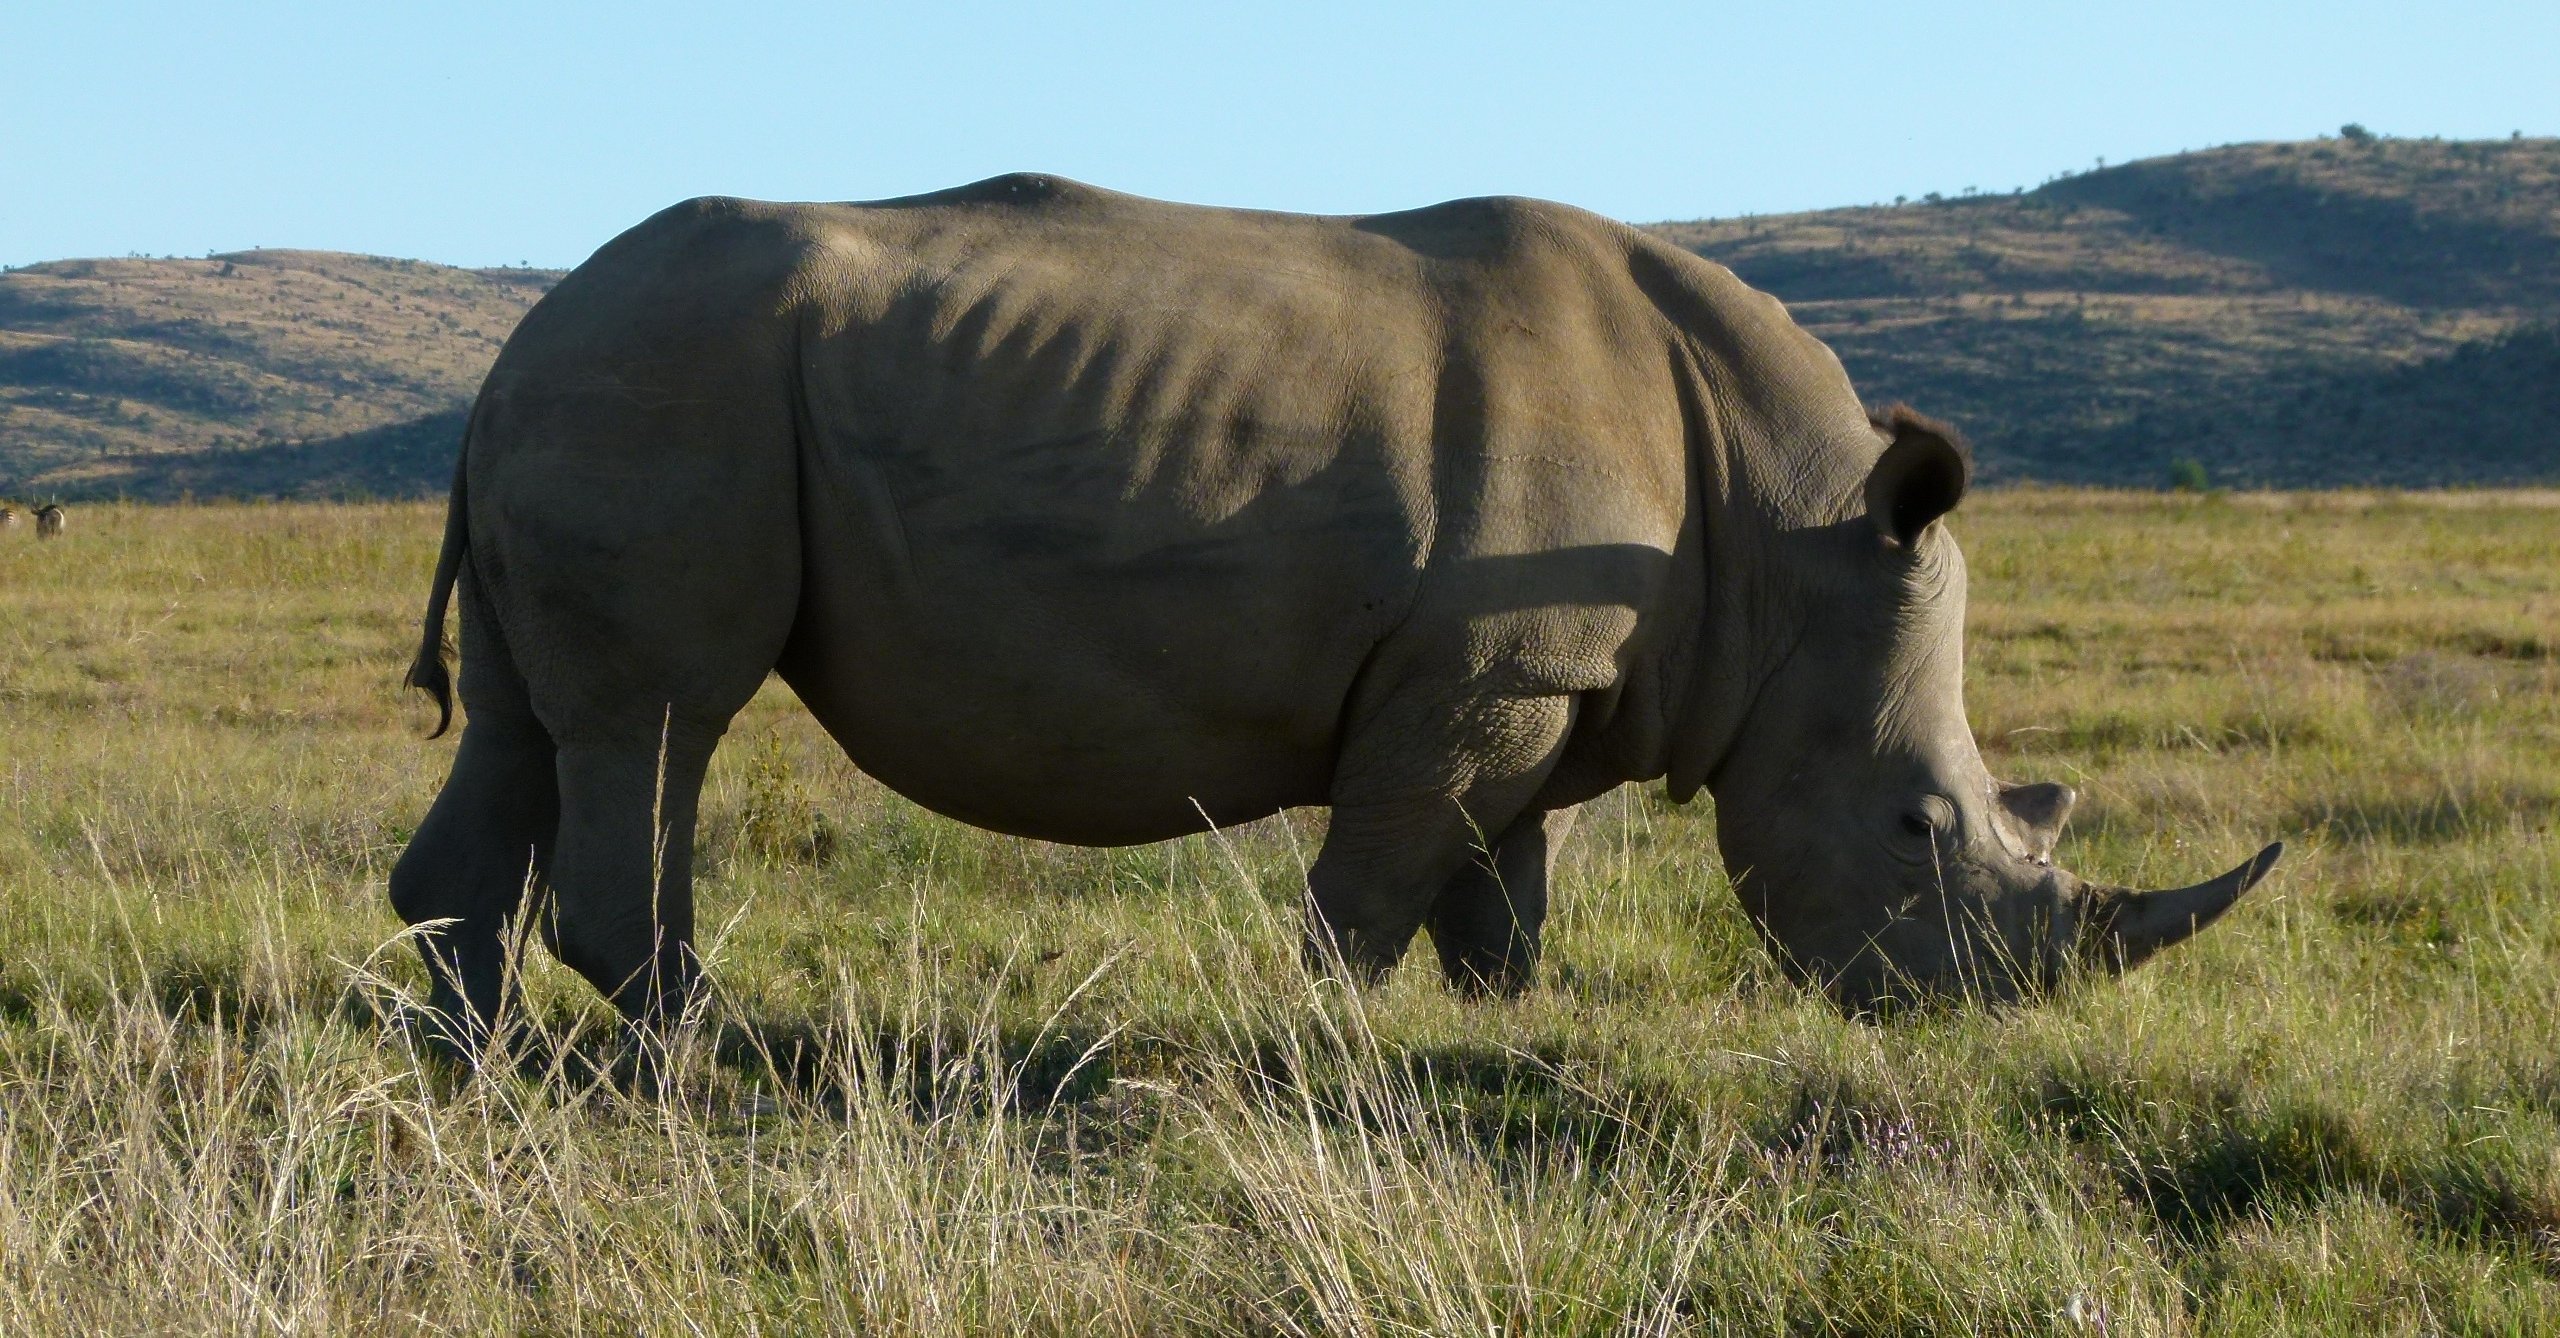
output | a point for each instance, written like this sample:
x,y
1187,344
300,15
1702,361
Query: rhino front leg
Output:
x,y
1487,919
1415,798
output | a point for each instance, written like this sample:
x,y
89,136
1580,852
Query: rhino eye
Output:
x,y
1929,818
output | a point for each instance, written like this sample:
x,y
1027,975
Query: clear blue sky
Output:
x,y
491,134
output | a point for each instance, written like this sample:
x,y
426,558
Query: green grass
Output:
x,y
957,1083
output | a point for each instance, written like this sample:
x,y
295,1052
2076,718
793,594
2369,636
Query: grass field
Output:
x,y
957,1083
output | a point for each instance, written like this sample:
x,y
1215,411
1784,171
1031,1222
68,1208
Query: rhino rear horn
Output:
x,y
2129,927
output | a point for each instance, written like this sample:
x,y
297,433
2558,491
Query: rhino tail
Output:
x,y
429,673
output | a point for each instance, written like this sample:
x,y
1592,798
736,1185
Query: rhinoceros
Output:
x,y
1101,520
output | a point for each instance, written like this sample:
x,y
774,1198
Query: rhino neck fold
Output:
x,y
1778,443
1742,639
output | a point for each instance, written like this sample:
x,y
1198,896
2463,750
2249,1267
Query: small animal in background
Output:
x,y
48,522
8,517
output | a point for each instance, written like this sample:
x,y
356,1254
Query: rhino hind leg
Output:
x,y
636,732
1487,919
1415,793
621,877
485,840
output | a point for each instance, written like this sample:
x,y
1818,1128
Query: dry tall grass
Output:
x,y
956,1083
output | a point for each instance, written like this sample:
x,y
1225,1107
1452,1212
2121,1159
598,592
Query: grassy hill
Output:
x,y
2258,308
259,373
2344,311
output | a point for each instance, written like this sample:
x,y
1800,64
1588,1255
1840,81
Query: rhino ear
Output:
x,y
1921,476
2040,811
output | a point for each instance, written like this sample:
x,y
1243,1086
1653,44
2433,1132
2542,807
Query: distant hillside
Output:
x,y
2234,306
126,375
410,458
2345,311
2485,413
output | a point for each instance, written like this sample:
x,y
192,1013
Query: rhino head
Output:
x,y
1877,856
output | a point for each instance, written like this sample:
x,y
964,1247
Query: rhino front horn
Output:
x,y
2128,927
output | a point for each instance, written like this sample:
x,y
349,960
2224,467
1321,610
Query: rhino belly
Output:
x,y
1068,759
1083,688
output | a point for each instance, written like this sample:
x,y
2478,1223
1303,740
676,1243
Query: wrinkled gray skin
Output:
x,y
1097,519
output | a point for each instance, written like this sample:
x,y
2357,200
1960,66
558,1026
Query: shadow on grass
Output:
x,y
2428,821
1509,1106
2411,918
1512,1108
2201,1162
935,1070
18,1004
214,992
